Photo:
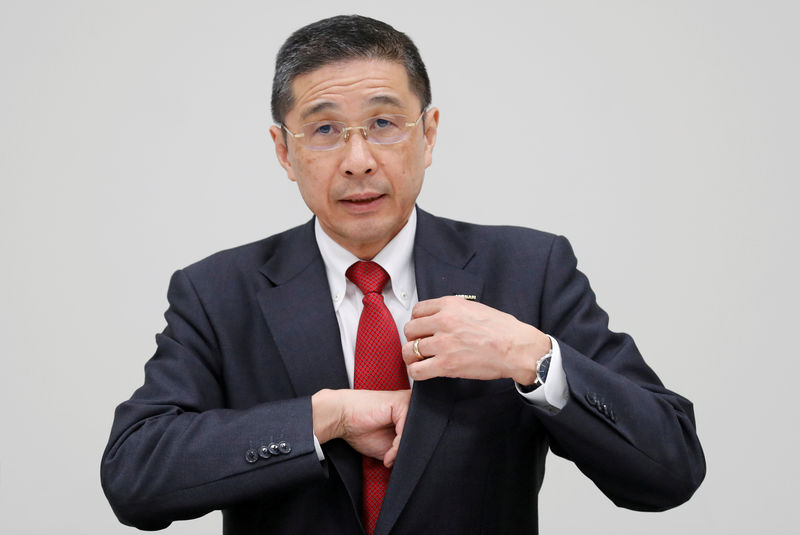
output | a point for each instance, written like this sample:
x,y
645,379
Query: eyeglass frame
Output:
x,y
346,132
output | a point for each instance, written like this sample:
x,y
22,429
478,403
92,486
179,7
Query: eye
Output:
x,y
326,129
383,123
322,131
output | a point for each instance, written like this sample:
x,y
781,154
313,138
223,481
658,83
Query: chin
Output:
x,y
369,234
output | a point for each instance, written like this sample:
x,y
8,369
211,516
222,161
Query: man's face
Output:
x,y
361,193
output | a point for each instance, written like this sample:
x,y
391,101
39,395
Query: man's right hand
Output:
x,y
371,421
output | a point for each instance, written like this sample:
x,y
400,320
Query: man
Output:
x,y
279,391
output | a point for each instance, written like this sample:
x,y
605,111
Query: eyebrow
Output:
x,y
316,108
327,105
386,99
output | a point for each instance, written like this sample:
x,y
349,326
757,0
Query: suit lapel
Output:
x,y
440,259
300,315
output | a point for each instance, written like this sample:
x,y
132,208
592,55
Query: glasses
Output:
x,y
380,130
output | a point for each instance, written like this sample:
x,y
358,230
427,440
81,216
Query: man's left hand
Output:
x,y
461,338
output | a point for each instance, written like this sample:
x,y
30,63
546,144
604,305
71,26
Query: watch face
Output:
x,y
541,371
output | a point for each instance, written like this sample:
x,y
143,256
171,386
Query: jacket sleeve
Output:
x,y
634,438
177,452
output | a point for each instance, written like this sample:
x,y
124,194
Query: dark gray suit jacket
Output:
x,y
251,334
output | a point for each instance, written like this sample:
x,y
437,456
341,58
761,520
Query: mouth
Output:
x,y
363,198
363,201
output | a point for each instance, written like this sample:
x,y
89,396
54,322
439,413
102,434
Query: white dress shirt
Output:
x,y
399,294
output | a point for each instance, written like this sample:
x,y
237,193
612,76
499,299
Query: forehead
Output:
x,y
353,86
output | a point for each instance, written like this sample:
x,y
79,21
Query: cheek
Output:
x,y
304,165
408,187
309,173
310,181
411,175
404,170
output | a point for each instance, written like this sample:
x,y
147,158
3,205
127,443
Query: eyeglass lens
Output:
x,y
381,130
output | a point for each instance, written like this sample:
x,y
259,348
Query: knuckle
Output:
x,y
445,342
446,320
413,372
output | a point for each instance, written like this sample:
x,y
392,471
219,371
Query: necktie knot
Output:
x,y
368,276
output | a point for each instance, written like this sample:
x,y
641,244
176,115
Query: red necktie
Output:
x,y
378,366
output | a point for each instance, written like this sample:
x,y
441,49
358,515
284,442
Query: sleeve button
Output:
x,y
284,447
251,456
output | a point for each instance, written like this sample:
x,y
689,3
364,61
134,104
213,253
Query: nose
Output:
x,y
357,159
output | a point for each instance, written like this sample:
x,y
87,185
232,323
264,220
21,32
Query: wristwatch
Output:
x,y
542,366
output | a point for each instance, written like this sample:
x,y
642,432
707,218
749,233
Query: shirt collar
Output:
x,y
396,258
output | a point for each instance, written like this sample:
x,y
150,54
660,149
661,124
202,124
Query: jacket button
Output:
x,y
251,456
264,453
273,448
284,447
591,397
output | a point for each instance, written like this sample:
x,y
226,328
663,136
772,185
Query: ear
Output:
x,y
431,126
281,150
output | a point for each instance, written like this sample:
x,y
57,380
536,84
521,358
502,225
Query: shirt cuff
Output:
x,y
318,449
553,394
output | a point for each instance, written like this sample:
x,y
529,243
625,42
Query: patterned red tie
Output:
x,y
378,366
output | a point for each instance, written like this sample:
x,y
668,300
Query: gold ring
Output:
x,y
416,349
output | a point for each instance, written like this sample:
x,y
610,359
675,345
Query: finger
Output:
x,y
409,355
389,457
429,347
399,413
421,327
442,314
430,306
463,364
398,405
391,453
429,368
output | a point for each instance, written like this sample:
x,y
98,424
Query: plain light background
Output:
x,y
660,137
